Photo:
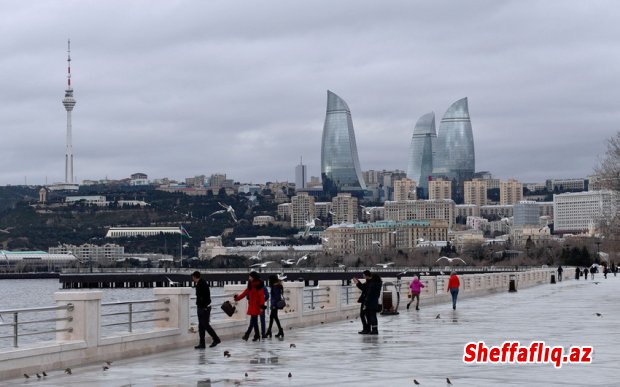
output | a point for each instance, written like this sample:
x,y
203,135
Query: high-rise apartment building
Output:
x,y
340,166
454,157
439,189
420,166
302,209
475,192
510,192
404,189
344,208
301,176
217,180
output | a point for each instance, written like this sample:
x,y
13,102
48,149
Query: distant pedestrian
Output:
x,y
577,273
592,271
605,271
363,287
585,272
415,287
614,268
453,287
203,308
256,303
560,271
277,299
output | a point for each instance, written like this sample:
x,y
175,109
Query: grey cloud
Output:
x,y
160,86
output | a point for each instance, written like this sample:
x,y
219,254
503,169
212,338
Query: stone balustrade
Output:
x,y
84,343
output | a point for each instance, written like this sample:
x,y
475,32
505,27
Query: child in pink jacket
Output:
x,y
415,287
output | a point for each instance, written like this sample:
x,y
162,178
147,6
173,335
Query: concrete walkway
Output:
x,y
412,345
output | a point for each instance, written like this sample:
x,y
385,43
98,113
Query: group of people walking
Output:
x,y
593,270
258,294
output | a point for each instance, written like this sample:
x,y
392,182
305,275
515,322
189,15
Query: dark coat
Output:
x,y
277,293
256,297
374,292
203,294
364,288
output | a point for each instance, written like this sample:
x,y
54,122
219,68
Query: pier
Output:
x,y
323,327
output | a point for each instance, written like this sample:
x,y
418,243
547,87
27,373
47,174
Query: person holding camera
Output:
x,y
363,287
370,302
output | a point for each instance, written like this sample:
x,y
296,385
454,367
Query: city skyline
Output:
x,y
186,89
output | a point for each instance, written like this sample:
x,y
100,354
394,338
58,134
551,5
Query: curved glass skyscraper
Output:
x,y
420,165
340,165
454,154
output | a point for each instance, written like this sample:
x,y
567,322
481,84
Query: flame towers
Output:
x,y
69,103
420,166
454,156
340,166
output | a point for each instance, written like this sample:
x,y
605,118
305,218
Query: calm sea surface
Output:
x,y
32,293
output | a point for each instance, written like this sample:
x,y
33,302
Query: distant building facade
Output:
x,y
510,192
581,212
302,210
440,189
344,208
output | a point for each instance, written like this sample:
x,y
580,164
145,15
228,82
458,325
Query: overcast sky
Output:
x,y
182,88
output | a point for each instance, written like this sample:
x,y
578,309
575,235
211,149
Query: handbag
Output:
x,y
281,304
228,308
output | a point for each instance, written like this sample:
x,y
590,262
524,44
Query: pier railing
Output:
x,y
16,322
132,312
81,317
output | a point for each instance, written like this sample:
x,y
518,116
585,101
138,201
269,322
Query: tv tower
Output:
x,y
69,103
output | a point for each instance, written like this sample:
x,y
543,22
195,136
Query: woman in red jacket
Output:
x,y
256,303
453,287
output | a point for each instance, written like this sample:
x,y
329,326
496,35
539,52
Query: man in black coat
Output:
x,y
371,303
364,288
203,307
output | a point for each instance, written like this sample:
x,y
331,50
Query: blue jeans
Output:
x,y
455,293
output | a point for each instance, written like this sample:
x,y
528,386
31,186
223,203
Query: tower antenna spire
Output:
x,y
69,103
69,63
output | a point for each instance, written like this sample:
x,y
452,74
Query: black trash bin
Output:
x,y
512,283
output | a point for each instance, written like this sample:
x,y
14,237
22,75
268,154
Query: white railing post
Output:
x,y
177,315
294,296
334,298
85,315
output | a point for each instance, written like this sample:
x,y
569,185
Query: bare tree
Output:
x,y
608,172
608,176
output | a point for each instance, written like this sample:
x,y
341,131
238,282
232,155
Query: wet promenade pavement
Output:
x,y
412,345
